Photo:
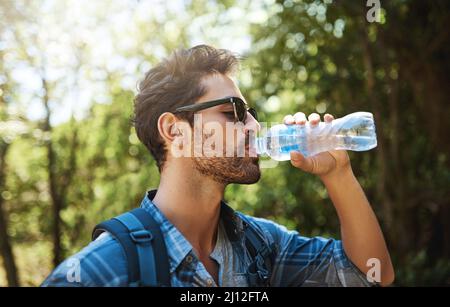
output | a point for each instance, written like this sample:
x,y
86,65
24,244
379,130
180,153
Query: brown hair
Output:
x,y
175,82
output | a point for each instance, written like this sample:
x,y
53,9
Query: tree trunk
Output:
x,y
56,197
5,245
381,153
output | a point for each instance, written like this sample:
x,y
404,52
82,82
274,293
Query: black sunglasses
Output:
x,y
240,108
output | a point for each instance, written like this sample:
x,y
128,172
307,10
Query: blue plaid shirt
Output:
x,y
299,261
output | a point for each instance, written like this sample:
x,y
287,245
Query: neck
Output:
x,y
191,202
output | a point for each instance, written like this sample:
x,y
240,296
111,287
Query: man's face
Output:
x,y
236,161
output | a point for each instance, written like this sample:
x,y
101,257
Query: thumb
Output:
x,y
299,161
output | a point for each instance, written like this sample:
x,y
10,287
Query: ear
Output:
x,y
167,127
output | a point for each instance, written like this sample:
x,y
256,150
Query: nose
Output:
x,y
251,124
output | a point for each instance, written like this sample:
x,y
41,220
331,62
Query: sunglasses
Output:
x,y
240,108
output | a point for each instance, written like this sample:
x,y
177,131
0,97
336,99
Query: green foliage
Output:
x,y
309,56
302,61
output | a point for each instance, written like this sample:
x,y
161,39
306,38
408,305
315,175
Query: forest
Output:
x,y
70,157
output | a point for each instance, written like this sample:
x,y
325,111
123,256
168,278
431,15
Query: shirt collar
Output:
x,y
178,247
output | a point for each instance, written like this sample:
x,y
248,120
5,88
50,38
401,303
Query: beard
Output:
x,y
243,170
225,170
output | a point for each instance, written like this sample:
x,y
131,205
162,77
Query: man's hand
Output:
x,y
323,164
361,234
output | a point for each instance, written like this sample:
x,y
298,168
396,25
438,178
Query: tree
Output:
x,y
5,243
322,56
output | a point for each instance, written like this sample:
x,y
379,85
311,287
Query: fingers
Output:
x,y
314,119
301,162
289,119
299,118
328,118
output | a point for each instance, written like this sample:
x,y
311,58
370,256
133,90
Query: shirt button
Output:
x,y
189,258
209,282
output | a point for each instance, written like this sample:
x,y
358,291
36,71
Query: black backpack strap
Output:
x,y
262,253
141,238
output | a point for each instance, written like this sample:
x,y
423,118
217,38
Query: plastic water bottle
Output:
x,y
355,132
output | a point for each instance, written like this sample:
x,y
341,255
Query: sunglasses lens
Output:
x,y
241,110
253,113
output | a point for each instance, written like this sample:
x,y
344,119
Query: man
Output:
x,y
188,204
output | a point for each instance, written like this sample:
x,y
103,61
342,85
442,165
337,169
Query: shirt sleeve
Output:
x,y
100,264
317,261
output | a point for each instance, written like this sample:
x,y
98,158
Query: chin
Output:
x,y
229,170
251,173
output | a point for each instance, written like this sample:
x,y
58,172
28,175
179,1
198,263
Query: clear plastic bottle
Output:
x,y
355,131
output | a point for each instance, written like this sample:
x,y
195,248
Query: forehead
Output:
x,y
219,86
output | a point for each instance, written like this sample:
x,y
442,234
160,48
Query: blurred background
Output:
x,y
69,157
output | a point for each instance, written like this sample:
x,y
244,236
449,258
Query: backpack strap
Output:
x,y
262,254
141,238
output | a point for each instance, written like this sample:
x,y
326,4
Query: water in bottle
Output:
x,y
355,132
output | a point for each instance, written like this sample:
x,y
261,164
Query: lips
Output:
x,y
251,151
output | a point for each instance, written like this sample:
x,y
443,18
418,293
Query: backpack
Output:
x,y
148,263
